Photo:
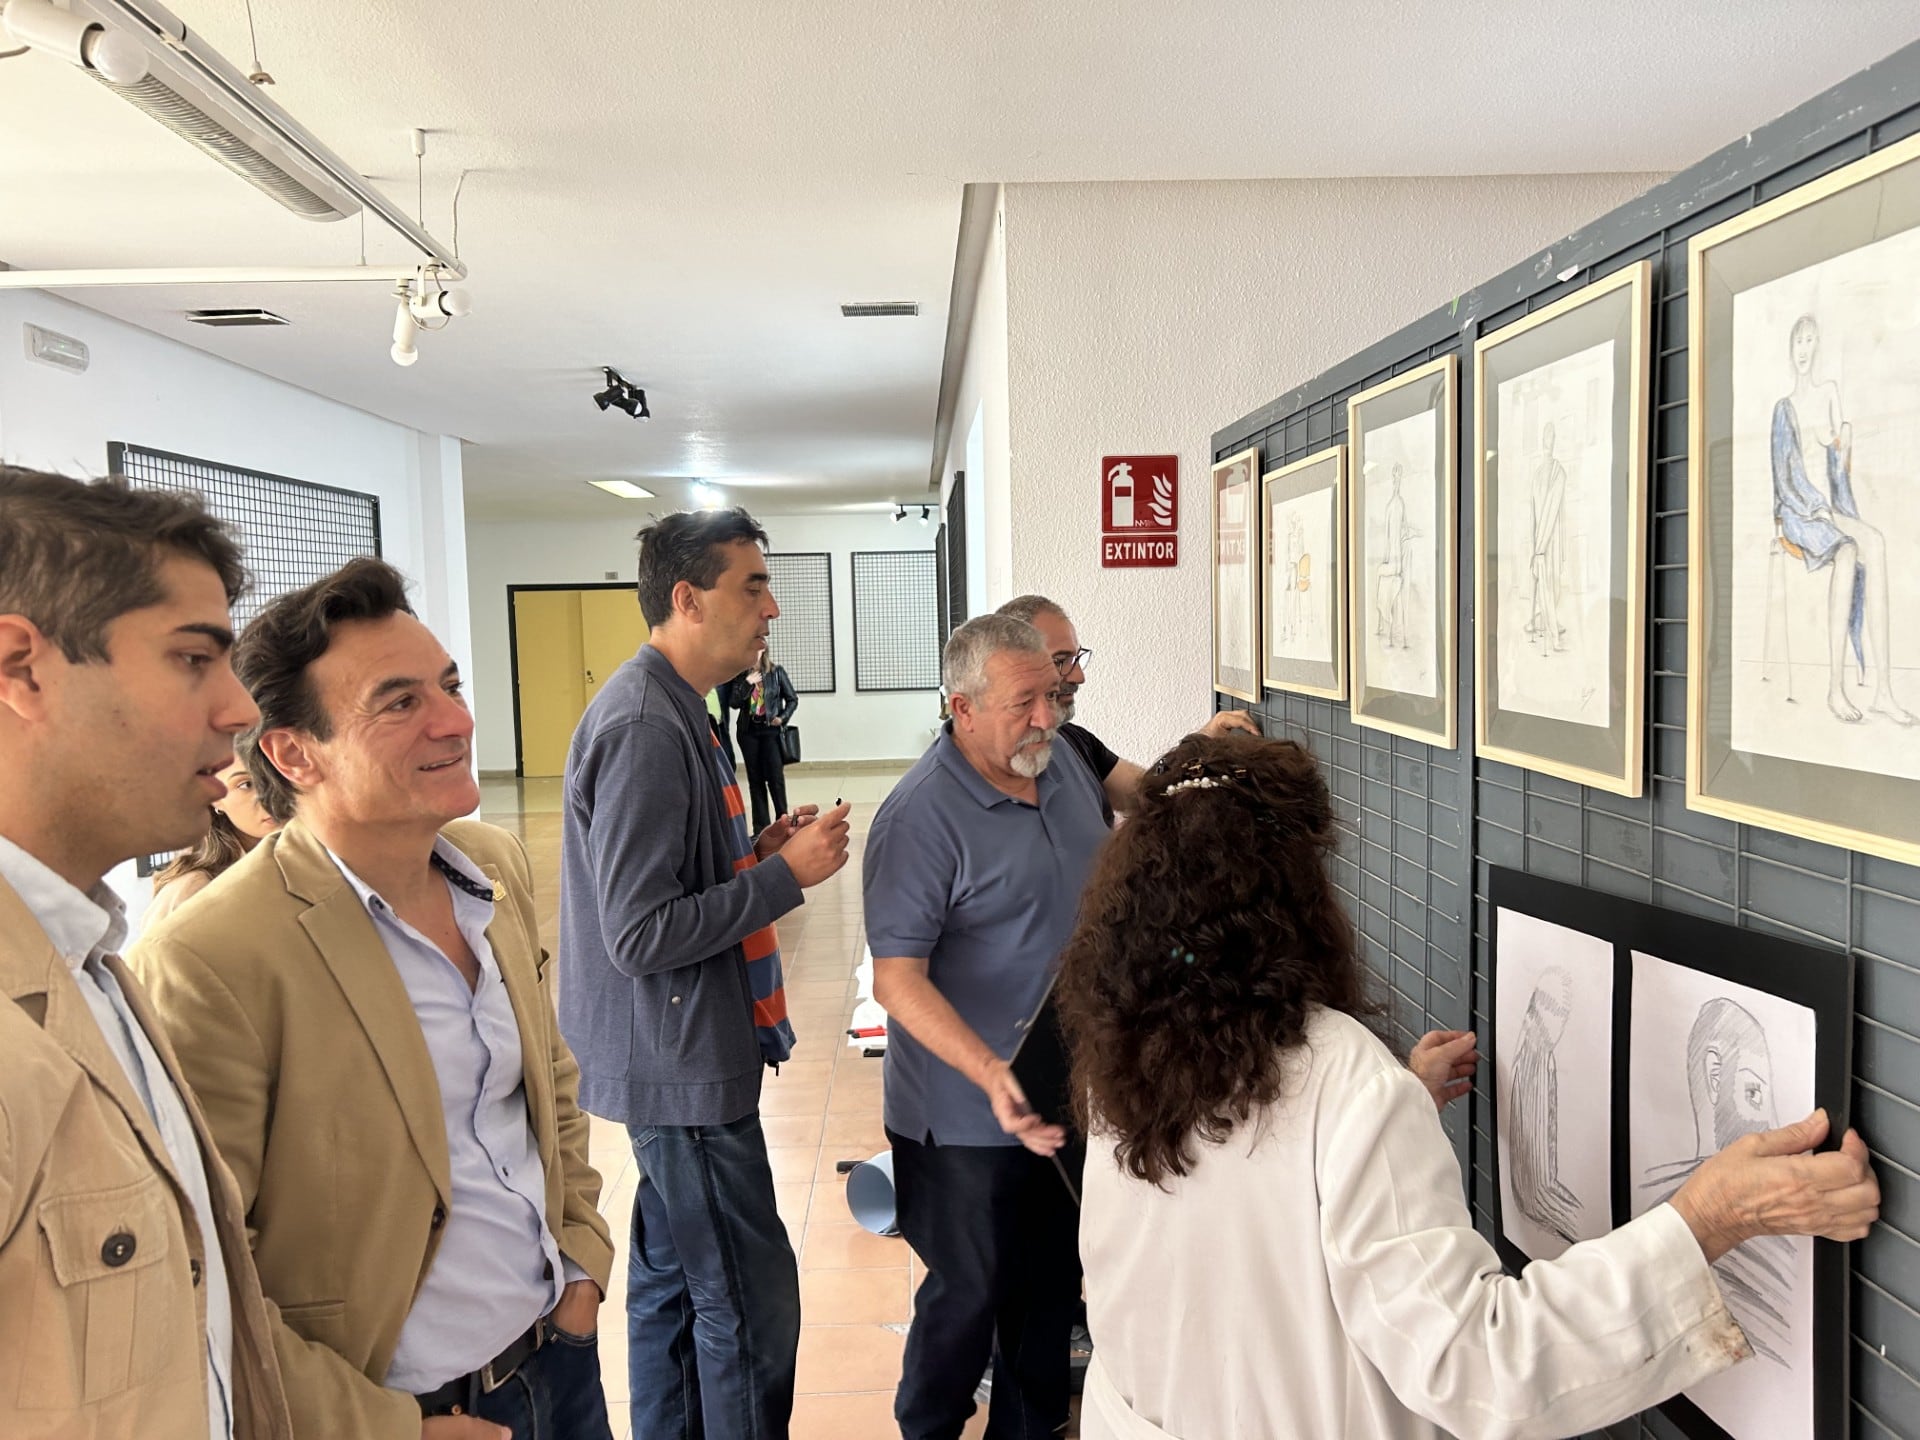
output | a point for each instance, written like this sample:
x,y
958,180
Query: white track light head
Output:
x,y
405,333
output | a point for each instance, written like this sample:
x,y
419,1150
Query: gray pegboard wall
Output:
x,y
1422,827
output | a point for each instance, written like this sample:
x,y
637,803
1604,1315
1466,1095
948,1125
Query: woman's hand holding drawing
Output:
x,y
1768,1184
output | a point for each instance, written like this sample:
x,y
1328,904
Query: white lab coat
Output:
x,y
1318,1276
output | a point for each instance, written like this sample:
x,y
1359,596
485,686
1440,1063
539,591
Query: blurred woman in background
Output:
x,y
239,823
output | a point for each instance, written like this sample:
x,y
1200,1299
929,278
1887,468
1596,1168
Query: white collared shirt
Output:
x,y
498,1268
84,929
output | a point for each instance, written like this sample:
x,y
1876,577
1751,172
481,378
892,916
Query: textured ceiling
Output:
x,y
688,191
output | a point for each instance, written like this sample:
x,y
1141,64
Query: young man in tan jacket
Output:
x,y
129,1304
364,1008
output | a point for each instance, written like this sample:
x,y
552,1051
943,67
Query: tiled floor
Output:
x,y
855,1288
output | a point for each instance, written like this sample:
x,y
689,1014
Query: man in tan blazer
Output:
x,y
129,1305
364,1008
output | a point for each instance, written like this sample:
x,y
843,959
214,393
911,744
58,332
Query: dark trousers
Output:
x,y
766,772
713,1290
1000,1237
555,1395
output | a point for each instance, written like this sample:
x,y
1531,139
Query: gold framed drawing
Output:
x,y
1236,575
1303,545
1803,674
1559,526
1402,571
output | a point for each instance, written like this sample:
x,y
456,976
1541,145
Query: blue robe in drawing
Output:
x,y
1796,502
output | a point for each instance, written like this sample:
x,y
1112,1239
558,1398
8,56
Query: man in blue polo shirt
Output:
x,y
974,869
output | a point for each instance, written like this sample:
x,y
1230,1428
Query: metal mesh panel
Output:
x,y
1422,828
957,612
803,635
293,532
896,624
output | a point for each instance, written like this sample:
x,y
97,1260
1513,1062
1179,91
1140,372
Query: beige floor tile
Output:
x,y
793,1099
844,1417
794,1163
848,1247
789,1130
840,1358
854,1297
855,1135
793,1201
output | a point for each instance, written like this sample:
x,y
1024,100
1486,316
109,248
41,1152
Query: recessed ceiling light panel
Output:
x,y
625,489
234,319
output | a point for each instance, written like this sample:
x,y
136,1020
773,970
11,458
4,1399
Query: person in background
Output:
x,y
674,998
1273,1229
766,700
1119,779
240,822
129,1303
365,1010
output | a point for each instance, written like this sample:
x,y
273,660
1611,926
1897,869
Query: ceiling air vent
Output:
x,y
226,319
874,309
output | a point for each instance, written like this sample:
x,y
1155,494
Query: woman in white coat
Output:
x,y
1272,1226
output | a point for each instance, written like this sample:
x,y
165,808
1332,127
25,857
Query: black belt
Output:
x,y
459,1396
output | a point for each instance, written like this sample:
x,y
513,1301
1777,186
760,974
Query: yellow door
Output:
x,y
611,630
549,677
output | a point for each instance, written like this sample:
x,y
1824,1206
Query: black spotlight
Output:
x,y
622,395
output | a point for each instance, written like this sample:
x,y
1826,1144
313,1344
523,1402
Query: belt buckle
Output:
x,y
490,1382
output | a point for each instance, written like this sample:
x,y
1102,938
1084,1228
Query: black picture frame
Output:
x,y
1818,978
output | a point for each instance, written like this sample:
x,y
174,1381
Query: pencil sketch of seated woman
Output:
x,y
1534,1103
1730,1084
1823,528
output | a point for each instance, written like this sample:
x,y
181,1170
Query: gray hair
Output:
x,y
963,664
1026,607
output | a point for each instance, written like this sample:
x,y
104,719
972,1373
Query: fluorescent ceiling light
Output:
x,y
625,489
146,55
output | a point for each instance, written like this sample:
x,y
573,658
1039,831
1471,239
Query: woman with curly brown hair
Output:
x,y
1272,1224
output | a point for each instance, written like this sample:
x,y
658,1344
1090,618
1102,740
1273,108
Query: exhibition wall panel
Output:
x,y
1423,827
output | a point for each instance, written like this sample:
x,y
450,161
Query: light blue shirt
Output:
x,y
498,1268
84,929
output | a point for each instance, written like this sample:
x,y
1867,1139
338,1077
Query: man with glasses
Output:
x,y
1119,779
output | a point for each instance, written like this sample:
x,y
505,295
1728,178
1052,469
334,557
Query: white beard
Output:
x,y
1031,762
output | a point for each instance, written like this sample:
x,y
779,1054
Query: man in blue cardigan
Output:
x,y
672,998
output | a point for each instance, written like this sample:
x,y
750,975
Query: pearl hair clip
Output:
x,y
1200,782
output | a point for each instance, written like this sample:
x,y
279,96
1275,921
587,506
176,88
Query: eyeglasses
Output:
x,y
1064,663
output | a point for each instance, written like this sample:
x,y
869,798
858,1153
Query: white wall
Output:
x,y
846,725
979,442
1143,317
151,391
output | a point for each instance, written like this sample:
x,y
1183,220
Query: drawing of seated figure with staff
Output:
x,y
1534,1098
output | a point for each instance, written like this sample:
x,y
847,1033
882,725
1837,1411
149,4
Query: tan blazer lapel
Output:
x,y
31,967
518,959
351,948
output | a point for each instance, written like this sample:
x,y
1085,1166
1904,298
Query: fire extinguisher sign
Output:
x,y
1139,510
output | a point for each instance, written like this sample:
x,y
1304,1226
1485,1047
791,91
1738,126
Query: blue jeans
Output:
x,y
556,1395
713,1289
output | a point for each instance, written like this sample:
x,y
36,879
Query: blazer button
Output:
x,y
439,1216
194,1266
118,1250
676,1000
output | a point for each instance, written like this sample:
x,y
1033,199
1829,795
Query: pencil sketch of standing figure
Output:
x,y
1295,579
1823,528
1549,494
1730,1085
1391,622
1534,1099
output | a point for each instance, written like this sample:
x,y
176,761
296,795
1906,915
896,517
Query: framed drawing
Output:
x,y
1553,1082
1402,576
1303,530
1803,674
1236,576
1559,525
